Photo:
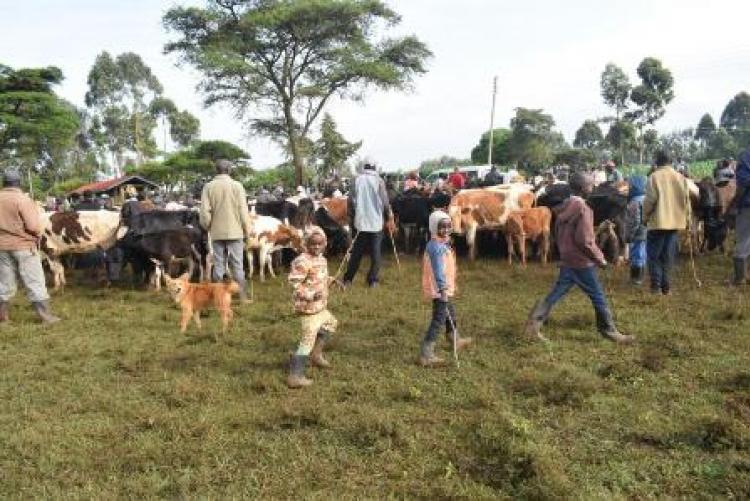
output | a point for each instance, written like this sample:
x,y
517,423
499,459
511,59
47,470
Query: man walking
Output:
x,y
665,211
368,200
225,216
742,225
20,226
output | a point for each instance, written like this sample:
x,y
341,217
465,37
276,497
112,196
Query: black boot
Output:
x,y
296,378
605,324
316,356
44,312
636,275
740,271
537,316
4,311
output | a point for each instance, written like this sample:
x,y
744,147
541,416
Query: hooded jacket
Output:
x,y
743,180
438,262
635,226
666,204
575,235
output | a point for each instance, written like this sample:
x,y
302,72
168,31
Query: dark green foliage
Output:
x,y
500,148
589,135
706,128
332,150
576,158
277,63
615,88
533,142
735,119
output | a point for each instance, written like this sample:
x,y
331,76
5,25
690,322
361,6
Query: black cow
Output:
x,y
412,211
610,211
166,236
338,236
711,212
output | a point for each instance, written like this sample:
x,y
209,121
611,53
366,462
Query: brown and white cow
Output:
x,y
486,209
75,233
267,236
528,224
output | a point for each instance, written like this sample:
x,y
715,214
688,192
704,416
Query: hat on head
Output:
x,y
435,219
11,177
369,166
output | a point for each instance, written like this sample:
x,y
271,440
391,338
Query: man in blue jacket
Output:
x,y
742,226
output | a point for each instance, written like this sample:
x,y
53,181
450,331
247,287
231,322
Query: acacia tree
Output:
x,y
277,63
650,97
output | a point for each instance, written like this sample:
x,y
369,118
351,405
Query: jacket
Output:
x,y
20,224
666,204
369,199
743,180
575,235
309,279
438,269
224,211
635,228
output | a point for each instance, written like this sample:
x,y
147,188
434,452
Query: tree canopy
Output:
x,y
500,147
589,135
278,63
706,128
735,118
332,150
533,143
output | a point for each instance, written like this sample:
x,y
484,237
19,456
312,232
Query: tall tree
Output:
x,y
36,126
289,58
650,97
706,128
615,89
120,91
500,147
589,135
533,143
735,119
621,135
332,150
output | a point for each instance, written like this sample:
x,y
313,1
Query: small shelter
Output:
x,y
118,189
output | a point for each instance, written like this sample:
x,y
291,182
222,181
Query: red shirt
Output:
x,y
457,180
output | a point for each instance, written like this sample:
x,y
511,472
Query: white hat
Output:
x,y
435,219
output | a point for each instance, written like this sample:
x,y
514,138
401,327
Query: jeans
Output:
x,y
587,280
29,267
366,241
638,254
440,319
661,248
229,252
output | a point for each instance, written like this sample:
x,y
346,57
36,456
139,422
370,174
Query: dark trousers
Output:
x,y
366,242
587,280
661,250
440,312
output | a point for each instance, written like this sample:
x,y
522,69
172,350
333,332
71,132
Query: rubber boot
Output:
x,y
44,313
636,275
4,311
537,316
461,342
740,271
296,378
427,357
605,324
316,355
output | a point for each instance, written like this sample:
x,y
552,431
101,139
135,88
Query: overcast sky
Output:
x,y
546,53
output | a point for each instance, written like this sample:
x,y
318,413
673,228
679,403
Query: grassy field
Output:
x,y
114,402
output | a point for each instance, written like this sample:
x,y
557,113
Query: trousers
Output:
x,y
28,265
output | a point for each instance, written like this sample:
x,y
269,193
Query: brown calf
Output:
x,y
528,224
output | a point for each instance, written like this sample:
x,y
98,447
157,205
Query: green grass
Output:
x,y
114,402
697,170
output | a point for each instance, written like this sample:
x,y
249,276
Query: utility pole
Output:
x,y
492,122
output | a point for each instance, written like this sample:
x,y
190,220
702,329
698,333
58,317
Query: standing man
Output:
x,y
456,179
665,211
368,200
613,175
20,226
225,216
742,224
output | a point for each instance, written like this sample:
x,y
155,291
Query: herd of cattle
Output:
x,y
521,213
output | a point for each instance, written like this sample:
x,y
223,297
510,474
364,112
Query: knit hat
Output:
x,y
11,177
435,219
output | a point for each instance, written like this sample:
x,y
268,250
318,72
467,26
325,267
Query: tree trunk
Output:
x,y
297,161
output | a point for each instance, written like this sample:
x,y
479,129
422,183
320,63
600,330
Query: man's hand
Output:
x,y
444,296
603,264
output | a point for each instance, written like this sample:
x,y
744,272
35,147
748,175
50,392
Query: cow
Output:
x,y
486,209
267,236
412,213
609,202
714,210
67,233
529,224
167,236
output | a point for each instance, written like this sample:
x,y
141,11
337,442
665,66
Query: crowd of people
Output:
x,y
658,208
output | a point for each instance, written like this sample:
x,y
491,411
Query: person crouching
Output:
x,y
439,285
579,257
310,281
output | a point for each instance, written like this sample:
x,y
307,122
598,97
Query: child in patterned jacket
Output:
x,y
310,281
